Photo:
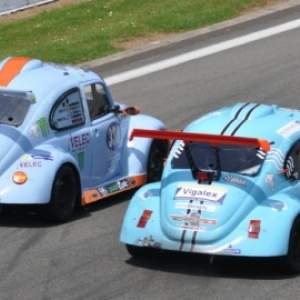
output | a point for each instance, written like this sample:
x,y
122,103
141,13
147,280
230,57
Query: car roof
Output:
x,y
255,120
27,74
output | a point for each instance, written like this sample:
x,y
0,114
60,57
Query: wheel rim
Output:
x,y
65,194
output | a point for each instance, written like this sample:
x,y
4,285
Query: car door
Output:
x,y
71,132
106,135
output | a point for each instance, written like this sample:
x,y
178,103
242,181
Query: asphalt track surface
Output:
x,y
83,259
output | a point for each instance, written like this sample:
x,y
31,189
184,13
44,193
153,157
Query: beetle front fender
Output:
x,y
40,167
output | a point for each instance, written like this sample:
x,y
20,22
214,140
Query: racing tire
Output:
x,y
158,152
64,195
291,262
142,252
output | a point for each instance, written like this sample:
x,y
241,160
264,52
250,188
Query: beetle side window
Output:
x,y
68,111
96,99
292,163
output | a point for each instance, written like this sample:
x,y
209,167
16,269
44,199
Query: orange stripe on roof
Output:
x,y
12,68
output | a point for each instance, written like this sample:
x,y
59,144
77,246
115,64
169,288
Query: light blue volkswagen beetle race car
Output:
x,y
64,141
230,187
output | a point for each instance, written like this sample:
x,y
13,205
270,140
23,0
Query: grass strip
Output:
x,y
92,29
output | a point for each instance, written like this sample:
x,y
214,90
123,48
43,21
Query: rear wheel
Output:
x,y
291,262
158,152
64,195
142,252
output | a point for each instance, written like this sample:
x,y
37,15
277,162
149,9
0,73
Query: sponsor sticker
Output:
x,y
193,205
278,205
79,142
194,219
270,180
146,194
80,160
192,228
230,251
40,128
31,164
116,186
235,180
149,242
200,192
113,136
43,126
289,129
37,156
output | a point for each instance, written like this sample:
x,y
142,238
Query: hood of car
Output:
x,y
208,211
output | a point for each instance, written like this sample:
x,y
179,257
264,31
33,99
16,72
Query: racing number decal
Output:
x,y
113,136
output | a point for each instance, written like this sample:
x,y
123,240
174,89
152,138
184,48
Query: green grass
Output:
x,y
89,30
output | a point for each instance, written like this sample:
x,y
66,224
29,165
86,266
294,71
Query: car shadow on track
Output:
x,y
207,266
31,219
104,204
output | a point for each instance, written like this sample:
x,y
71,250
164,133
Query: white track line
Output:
x,y
42,2
186,57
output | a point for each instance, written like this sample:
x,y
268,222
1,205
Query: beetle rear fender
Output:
x,y
276,217
138,148
145,201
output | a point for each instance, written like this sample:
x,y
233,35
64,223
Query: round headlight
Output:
x,y
19,177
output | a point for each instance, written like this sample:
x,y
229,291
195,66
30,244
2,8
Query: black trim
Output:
x,y
234,118
245,119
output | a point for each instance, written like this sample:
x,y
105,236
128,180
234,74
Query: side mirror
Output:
x,y
131,111
114,109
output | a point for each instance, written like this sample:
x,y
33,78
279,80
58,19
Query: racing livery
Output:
x,y
230,186
64,141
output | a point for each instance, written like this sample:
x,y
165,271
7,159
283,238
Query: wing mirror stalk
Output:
x,y
129,111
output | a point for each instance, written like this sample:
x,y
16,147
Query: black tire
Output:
x,y
291,262
158,152
64,195
142,252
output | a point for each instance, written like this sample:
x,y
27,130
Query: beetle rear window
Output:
x,y
229,158
13,109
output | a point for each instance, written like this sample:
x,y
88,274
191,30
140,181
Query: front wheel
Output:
x,y
64,195
158,152
291,262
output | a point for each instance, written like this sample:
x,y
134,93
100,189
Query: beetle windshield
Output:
x,y
229,158
13,109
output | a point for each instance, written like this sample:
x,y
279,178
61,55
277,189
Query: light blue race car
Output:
x,y
64,141
230,187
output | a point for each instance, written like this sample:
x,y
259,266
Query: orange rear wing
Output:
x,y
214,139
